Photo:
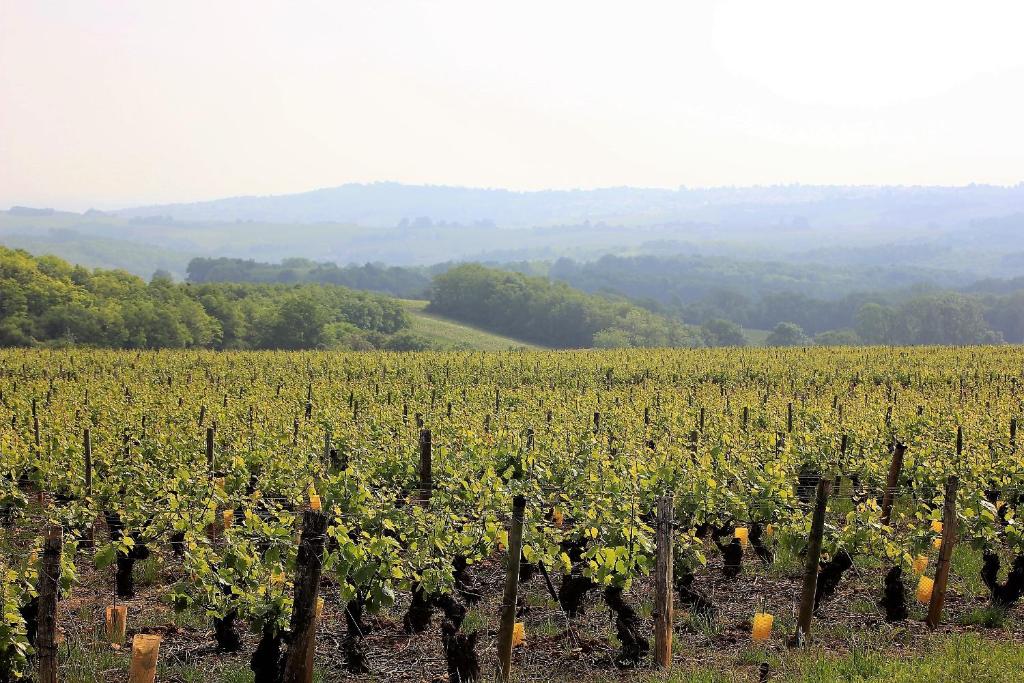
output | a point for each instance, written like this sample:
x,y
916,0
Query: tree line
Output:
x,y
818,304
551,313
893,310
47,301
407,283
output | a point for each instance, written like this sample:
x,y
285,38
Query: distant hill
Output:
x,y
783,207
940,235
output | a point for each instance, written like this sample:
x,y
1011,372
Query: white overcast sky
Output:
x,y
108,103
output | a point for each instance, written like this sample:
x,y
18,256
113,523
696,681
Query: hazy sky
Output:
x,y
117,103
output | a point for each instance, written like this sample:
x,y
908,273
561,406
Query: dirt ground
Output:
x,y
556,647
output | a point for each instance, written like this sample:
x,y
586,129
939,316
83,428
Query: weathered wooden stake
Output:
x,y
87,448
945,553
209,450
49,584
426,468
508,606
663,612
309,566
892,481
810,585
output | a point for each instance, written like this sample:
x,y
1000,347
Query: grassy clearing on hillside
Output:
x,y
450,334
756,337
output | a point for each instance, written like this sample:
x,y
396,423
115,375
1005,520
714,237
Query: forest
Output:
x,y
550,313
409,283
48,301
829,305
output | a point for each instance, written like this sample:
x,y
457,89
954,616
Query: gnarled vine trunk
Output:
x,y
225,632
763,552
698,603
266,663
1008,593
421,611
627,627
355,630
830,575
894,596
459,648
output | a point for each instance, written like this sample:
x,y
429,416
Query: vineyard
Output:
x,y
529,515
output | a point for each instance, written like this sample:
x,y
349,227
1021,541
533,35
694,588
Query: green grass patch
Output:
x,y
946,659
446,333
987,617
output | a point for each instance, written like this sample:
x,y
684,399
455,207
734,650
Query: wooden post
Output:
x,y
1013,434
663,585
426,468
49,584
892,482
945,553
209,450
309,566
508,606
789,417
311,652
88,538
810,585
145,653
87,447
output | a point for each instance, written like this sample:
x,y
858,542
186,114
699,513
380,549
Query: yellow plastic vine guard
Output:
x,y
924,590
743,533
519,634
920,564
116,623
761,629
145,652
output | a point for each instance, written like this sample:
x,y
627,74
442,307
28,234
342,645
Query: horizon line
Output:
x,y
678,188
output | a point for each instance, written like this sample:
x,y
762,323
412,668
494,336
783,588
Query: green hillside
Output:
x,y
449,333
